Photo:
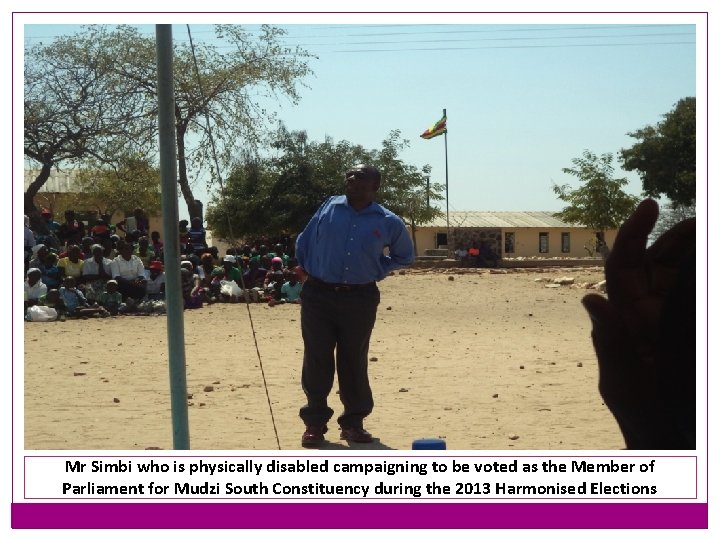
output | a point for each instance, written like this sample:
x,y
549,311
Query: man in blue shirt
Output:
x,y
342,251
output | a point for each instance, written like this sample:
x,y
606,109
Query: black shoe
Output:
x,y
313,436
355,434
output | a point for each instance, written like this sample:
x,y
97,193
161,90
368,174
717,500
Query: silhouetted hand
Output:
x,y
644,333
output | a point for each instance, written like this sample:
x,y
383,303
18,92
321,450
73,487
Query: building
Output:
x,y
510,234
57,193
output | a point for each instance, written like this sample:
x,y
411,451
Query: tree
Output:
x,y
600,203
670,215
73,110
134,183
105,81
279,193
405,190
216,92
665,155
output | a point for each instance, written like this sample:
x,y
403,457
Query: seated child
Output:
x,y
290,290
190,286
76,305
52,299
111,299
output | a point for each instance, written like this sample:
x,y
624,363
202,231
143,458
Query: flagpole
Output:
x,y
447,192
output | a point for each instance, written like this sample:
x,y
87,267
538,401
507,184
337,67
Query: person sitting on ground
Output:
x,y
129,272
37,259
255,275
228,272
183,232
205,273
76,305
86,245
280,252
111,299
29,241
100,230
143,250
72,230
52,299
275,271
96,271
52,225
34,287
273,288
157,245
52,275
155,287
72,263
192,295
290,290
644,333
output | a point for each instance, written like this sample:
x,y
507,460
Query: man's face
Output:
x,y
33,278
359,184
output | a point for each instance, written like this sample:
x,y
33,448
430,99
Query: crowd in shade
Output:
x,y
104,269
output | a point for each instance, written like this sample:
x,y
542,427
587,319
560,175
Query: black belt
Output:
x,y
338,287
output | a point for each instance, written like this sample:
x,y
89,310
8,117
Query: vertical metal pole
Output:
x,y
447,187
173,288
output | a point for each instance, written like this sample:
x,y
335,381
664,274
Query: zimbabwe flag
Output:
x,y
438,128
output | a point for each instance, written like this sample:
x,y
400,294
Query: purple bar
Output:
x,y
359,516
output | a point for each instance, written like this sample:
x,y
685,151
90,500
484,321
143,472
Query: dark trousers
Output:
x,y
336,328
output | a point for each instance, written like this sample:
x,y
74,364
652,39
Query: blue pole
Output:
x,y
171,249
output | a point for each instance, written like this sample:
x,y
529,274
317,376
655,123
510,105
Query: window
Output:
x,y
544,243
441,240
509,242
565,242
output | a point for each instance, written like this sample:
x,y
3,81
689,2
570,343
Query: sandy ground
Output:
x,y
486,361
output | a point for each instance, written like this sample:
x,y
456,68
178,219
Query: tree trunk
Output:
x,y
182,174
413,228
37,223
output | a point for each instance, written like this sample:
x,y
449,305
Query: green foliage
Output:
x,y
600,203
665,155
671,215
74,108
404,190
278,194
94,95
133,183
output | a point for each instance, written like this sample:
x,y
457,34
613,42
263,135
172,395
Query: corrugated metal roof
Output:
x,y
498,220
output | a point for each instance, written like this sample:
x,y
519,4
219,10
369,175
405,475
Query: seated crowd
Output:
x,y
104,274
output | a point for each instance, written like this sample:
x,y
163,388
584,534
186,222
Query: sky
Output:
x,y
525,93
523,99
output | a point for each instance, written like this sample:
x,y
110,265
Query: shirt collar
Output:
x,y
373,208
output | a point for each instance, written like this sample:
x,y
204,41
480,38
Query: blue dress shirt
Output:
x,y
343,245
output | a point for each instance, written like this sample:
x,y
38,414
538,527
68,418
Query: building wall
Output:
x,y
58,203
527,240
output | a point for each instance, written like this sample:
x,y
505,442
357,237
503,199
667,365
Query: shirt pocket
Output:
x,y
374,243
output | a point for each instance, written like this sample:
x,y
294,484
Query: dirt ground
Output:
x,y
484,360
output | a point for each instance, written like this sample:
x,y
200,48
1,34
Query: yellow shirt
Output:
x,y
71,268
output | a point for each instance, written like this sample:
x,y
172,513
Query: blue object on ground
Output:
x,y
429,444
